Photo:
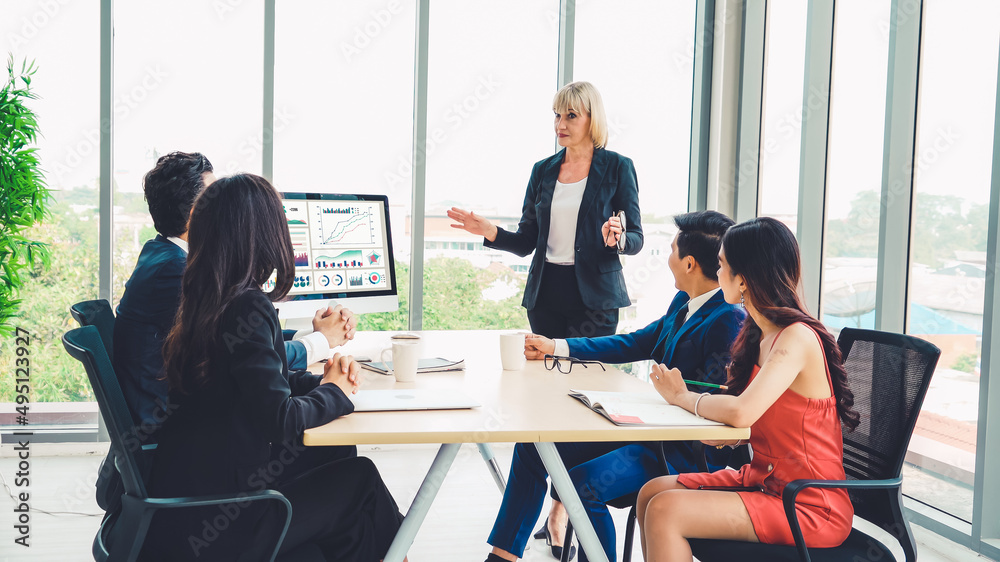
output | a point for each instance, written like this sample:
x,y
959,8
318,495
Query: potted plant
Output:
x,y
24,196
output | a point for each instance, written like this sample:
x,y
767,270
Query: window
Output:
x,y
187,76
343,107
68,117
854,164
489,118
953,162
782,113
640,56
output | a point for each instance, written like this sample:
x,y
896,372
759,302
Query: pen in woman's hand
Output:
x,y
708,384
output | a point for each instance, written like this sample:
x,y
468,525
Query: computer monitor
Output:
x,y
343,254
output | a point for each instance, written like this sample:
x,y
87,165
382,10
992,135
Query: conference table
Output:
x,y
530,405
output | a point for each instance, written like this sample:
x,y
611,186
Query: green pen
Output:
x,y
708,384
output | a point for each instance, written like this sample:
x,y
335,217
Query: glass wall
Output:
x,y
343,112
854,163
183,80
782,111
648,101
68,89
952,161
489,119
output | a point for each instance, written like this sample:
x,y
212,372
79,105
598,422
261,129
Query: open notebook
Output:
x,y
637,408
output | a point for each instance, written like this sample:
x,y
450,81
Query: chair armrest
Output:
x,y
141,511
218,499
791,492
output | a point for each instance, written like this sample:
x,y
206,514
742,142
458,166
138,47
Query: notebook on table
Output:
x,y
637,408
411,399
426,365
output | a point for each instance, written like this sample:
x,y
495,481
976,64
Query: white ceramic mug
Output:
x,y
405,356
512,350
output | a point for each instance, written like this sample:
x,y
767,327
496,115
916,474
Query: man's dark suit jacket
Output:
x,y
700,350
611,187
218,440
145,316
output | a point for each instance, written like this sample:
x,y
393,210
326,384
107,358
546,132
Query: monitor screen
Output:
x,y
343,253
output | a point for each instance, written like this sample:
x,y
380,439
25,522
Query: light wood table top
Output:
x,y
530,405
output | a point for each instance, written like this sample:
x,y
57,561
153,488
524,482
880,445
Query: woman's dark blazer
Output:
x,y
611,187
219,437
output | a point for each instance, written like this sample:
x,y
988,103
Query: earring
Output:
x,y
743,302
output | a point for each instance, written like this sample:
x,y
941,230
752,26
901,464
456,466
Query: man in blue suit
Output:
x,y
694,336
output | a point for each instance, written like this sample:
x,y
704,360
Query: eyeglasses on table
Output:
x,y
565,364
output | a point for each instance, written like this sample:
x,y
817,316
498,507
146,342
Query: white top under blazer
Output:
x,y
561,245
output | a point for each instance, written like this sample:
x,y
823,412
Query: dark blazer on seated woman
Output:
x,y
611,187
220,440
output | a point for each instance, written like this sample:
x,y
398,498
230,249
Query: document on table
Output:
x,y
637,408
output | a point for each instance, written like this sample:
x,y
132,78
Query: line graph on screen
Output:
x,y
345,226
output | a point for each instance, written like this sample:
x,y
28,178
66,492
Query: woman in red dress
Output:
x,y
787,383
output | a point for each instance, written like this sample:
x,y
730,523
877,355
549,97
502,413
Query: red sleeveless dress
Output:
x,y
797,437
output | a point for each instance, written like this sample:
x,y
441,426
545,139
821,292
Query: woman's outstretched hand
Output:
x,y
473,223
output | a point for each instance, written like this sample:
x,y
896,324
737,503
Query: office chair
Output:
x,y
122,537
889,375
97,313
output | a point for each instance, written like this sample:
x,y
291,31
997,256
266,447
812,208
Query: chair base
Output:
x,y
858,546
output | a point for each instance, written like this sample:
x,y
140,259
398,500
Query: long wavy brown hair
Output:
x,y
766,254
237,238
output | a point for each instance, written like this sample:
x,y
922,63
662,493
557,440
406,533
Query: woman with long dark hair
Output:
x,y
787,382
236,413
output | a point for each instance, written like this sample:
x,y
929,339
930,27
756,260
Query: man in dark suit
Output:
x,y
146,312
694,336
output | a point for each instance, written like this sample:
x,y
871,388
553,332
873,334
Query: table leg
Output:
x,y
567,493
491,462
422,502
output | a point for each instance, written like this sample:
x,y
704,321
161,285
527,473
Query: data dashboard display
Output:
x,y
341,243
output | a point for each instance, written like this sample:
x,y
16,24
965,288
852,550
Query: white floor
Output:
x,y
455,529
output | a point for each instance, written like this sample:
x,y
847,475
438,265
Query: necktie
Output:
x,y
678,322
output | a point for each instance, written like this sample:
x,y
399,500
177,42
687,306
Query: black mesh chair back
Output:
x,y
889,375
121,537
97,313
86,346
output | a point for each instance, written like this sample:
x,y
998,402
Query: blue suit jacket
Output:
x,y
700,350
611,187
145,316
